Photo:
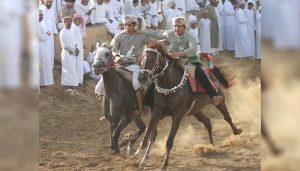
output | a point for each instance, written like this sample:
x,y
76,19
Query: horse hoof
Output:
x,y
116,152
237,132
163,169
140,152
142,165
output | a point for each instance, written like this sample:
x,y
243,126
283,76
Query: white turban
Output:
x,y
179,21
128,19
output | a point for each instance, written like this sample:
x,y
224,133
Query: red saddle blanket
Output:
x,y
196,87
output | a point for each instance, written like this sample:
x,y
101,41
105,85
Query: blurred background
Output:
x,y
19,85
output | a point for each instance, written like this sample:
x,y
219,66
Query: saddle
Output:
x,y
196,87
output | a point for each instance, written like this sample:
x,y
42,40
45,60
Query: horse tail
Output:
x,y
227,80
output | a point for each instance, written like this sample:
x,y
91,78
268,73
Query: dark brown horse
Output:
x,y
173,97
119,99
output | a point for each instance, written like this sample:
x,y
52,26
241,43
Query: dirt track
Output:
x,y
73,138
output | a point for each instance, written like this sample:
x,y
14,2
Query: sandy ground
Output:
x,y
73,138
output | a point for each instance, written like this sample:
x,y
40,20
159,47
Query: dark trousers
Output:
x,y
202,78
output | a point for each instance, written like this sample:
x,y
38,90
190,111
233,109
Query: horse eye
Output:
x,y
106,54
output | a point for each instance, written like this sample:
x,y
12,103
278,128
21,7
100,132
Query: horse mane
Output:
x,y
160,47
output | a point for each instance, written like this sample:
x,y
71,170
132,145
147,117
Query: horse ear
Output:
x,y
98,44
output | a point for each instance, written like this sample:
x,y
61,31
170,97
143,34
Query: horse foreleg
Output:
x,y
112,128
201,117
152,123
141,129
175,125
151,141
116,134
223,109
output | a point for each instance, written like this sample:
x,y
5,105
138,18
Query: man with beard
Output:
x,y
69,54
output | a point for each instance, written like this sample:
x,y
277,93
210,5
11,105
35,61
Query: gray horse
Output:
x,y
119,100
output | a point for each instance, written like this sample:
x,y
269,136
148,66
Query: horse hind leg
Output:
x,y
206,122
223,109
141,129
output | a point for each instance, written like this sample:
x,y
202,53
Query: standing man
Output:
x,y
83,8
69,54
49,17
77,27
45,66
214,29
242,37
251,25
103,15
258,33
229,25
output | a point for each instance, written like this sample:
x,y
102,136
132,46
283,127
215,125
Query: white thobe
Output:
x,y
242,38
68,62
191,5
79,42
45,67
268,19
49,22
127,7
116,10
204,35
258,35
287,29
220,45
102,14
11,43
169,14
229,25
82,10
194,33
180,5
251,28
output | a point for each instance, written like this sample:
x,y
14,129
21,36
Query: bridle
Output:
x,y
154,77
156,64
111,62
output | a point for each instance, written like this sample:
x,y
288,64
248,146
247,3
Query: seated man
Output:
x,y
102,15
67,10
181,46
127,47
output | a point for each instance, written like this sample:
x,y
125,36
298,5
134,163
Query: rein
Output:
x,y
162,72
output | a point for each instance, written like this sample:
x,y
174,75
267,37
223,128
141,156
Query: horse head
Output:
x,y
103,60
154,62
